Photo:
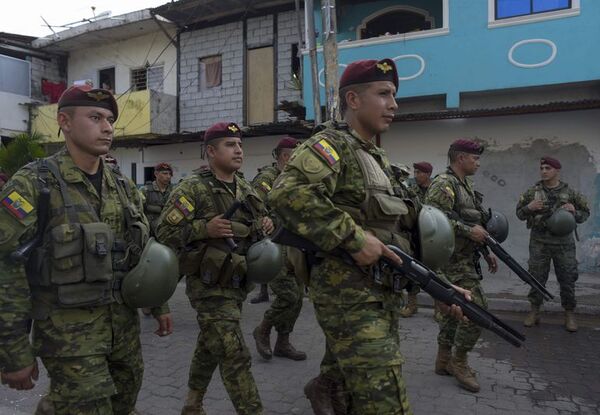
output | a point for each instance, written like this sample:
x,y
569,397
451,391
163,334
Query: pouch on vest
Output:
x,y
66,247
233,272
385,207
97,253
212,264
190,258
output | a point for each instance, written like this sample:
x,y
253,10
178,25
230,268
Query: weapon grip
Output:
x,y
228,215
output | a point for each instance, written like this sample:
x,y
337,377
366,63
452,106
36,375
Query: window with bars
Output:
x,y
150,77
210,70
513,8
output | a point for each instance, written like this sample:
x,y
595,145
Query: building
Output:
x,y
521,76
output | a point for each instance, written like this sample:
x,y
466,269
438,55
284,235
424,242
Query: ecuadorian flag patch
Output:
x,y
184,205
266,186
328,152
17,205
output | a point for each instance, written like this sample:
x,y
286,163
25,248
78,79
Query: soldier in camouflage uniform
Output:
x,y
288,290
536,206
453,193
422,171
338,191
87,340
192,224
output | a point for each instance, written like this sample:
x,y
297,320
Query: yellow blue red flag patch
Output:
x,y
184,205
327,151
17,205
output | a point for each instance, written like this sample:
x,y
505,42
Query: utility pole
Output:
x,y
330,57
312,53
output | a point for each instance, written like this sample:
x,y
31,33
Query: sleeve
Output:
x,y
138,200
18,219
523,211
301,197
441,195
261,186
582,210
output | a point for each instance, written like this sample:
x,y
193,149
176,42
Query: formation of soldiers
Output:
x,y
83,232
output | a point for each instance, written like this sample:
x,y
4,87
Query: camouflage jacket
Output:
x,y
182,226
57,331
462,204
418,191
263,182
320,195
154,200
553,199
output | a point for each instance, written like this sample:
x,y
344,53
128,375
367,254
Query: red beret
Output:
x,y
467,146
551,161
163,167
86,96
370,70
287,142
222,129
423,166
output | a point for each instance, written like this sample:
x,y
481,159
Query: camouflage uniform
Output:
x,y
335,187
88,342
289,292
545,247
215,282
154,200
462,205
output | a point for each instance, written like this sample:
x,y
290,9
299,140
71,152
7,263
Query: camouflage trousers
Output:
x,y
286,306
462,335
363,353
565,266
221,344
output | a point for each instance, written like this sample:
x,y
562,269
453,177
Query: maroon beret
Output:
x,y
423,166
222,129
287,142
86,96
163,167
370,70
551,161
467,146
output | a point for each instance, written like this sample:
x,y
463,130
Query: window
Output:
x,y
106,79
403,20
150,77
210,71
513,8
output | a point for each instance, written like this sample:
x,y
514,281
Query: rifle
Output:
x,y
419,274
228,215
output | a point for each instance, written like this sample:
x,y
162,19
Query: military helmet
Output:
x,y
264,261
497,226
561,223
154,279
436,236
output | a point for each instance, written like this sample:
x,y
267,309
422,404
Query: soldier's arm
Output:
x,y
301,198
582,209
523,211
442,196
261,187
139,200
17,225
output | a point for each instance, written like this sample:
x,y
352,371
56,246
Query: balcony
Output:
x,y
468,52
142,114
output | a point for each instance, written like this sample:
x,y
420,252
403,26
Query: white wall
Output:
x,y
13,115
125,55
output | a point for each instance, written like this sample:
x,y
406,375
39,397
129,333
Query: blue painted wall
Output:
x,y
473,57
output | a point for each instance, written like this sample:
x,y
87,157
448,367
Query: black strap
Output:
x,y
67,201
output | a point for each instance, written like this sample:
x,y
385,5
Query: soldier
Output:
x,y
422,171
87,338
453,193
289,292
156,193
552,209
337,191
192,223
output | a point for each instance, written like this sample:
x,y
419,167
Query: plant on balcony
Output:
x,y
22,149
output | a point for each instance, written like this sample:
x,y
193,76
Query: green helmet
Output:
x,y
497,226
154,279
561,223
436,236
264,261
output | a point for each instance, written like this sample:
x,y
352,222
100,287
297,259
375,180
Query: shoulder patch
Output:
x,y
327,151
184,205
265,186
174,216
17,205
449,191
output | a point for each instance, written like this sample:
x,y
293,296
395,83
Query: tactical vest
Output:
x,y
80,262
552,201
155,200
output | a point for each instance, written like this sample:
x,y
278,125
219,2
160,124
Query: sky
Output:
x,y
23,16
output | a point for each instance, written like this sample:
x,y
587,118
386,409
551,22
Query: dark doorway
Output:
x,y
394,23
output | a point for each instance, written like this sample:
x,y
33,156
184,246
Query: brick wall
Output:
x,y
51,70
286,37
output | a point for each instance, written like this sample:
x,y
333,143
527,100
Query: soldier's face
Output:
x,y
226,154
163,177
421,177
470,163
376,106
548,173
89,129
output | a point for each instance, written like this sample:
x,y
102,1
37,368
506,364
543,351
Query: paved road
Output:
x,y
555,373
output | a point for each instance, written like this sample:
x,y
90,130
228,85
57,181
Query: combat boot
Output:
x,y
570,323
262,296
443,358
283,348
533,318
262,337
411,307
460,369
326,396
193,403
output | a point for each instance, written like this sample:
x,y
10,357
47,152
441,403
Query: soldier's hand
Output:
x,y
569,207
492,262
267,225
372,251
165,325
478,233
22,379
454,310
535,205
218,227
